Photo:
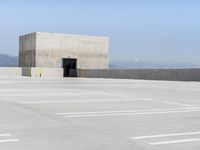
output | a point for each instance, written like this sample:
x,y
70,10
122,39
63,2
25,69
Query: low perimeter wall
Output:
x,y
146,74
10,71
42,72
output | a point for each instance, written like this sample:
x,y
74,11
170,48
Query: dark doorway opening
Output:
x,y
68,64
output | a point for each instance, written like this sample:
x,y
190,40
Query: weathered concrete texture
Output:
x,y
48,49
98,114
147,74
42,72
10,71
27,47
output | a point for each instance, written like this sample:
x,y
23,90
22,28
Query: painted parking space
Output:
x,y
99,113
173,138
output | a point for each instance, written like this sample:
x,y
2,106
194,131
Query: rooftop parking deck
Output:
x,y
98,114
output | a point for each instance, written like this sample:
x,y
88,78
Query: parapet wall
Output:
x,y
146,74
42,72
10,71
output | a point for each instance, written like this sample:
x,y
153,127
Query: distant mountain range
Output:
x,y
12,61
8,61
136,64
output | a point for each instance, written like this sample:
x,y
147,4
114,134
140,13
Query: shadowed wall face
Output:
x,y
27,50
50,49
144,74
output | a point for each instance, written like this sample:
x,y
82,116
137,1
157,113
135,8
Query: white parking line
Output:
x,y
77,101
9,140
174,141
173,103
165,135
36,90
129,113
149,99
5,135
40,94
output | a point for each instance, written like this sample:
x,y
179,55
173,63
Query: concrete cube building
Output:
x,y
63,51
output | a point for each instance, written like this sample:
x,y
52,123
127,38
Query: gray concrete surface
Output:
x,y
41,72
147,74
98,114
10,71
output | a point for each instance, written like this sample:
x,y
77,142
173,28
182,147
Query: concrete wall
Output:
x,y
42,72
91,52
10,71
27,53
147,74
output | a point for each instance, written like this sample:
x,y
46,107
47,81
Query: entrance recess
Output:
x,y
69,63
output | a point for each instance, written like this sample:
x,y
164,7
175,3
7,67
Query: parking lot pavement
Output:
x,y
84,114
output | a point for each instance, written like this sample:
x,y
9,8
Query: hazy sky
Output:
x,y
151,30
